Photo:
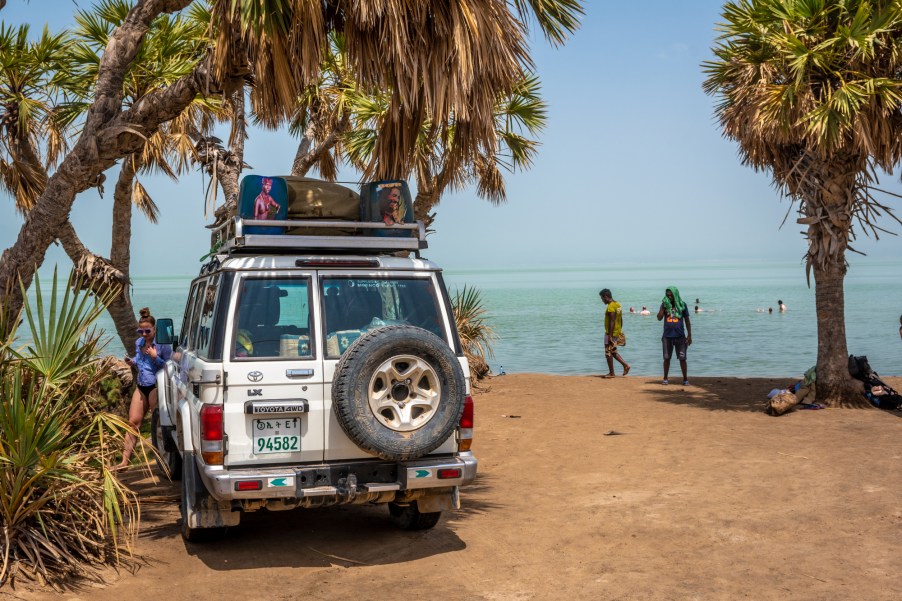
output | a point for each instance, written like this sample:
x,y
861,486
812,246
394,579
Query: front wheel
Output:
x,y
409,517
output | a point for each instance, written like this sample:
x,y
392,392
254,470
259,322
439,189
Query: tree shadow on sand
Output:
x,y
726,394
719,394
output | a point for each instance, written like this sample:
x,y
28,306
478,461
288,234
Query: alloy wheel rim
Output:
x,y
404,393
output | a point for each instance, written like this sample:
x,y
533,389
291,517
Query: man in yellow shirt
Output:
x,y
613,327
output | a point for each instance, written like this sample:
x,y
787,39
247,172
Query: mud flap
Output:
x,y
443,502
200,509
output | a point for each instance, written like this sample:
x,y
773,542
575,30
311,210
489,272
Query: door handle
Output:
x,y
298,373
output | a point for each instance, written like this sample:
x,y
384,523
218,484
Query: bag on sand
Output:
x,y
621,340
859,368
781,403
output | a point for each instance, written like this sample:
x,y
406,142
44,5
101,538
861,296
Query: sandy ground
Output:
x,y
588,489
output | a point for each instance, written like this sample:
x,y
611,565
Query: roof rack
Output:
x,y
235,240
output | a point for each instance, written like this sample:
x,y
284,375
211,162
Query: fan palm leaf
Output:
x,y
476,335
31,72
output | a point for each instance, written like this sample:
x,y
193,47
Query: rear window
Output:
x,y
354,305
273,319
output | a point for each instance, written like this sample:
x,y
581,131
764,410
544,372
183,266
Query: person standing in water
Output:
x,y
675,313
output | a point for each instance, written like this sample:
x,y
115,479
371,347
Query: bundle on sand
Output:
x,y
781,403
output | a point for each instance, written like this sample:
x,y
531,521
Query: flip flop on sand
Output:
x,y
608,376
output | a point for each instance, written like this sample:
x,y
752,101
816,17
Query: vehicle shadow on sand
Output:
x,y
346,536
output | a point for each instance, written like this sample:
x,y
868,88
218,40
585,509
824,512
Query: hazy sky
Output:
x,y
632,168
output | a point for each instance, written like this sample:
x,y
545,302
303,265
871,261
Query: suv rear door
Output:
x,y
355,303
274,409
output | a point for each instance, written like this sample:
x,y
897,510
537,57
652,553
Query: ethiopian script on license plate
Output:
x,y
280,435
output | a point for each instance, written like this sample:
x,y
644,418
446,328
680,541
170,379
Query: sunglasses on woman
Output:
x,y
144,331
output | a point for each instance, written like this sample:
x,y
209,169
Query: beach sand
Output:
x,y
587,489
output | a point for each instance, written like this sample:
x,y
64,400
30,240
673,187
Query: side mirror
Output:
x,y
165,332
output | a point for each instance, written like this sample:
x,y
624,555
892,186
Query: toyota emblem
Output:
x,y
255,376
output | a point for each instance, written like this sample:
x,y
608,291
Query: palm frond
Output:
x,y
476,335
144,202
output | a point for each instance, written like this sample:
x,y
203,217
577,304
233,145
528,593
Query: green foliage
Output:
x,y
31,75
476,335
820,73
62,510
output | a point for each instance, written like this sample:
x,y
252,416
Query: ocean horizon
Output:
x,y
549,320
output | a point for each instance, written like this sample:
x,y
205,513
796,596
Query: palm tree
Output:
x,y
169,52
32,75
435,57
810,90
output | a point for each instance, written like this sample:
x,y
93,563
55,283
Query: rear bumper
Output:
x,y
341,480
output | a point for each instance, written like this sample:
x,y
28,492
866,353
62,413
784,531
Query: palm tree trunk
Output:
x,y
309,152
828,207
121,309
99,273
835,387
231,168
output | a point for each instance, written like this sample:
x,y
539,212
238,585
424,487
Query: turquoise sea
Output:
x,y
550,320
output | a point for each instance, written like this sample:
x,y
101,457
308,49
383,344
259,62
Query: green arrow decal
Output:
x,y
277,482
422,474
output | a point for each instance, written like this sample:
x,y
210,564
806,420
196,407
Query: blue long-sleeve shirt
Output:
x,y
147,366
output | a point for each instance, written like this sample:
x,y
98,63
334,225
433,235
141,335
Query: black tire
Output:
x,y
168,457
398,392
189,499
408,517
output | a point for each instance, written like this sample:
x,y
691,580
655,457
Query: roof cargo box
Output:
x,y
387,202
290,214
315,199
299,198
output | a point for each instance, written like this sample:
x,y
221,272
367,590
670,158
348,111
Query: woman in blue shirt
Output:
x,y
149,358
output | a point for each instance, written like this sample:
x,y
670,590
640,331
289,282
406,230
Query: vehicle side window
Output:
x,y
205,317
186,318
189,332
273,319
354,305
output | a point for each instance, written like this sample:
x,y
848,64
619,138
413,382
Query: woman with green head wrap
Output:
x,y
675,313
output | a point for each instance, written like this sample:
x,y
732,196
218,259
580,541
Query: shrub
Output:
x,y
62,510
476,336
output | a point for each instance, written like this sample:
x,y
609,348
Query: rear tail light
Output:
x,y
211,448
465,432
449,473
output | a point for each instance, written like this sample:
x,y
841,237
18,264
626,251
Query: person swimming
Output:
x,y
644,311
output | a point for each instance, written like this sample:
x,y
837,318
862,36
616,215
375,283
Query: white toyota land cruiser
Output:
x,y
314,370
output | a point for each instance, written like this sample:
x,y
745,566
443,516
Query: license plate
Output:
x,y
281,435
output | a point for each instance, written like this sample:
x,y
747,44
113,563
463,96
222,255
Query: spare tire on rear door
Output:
x,y
398,392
